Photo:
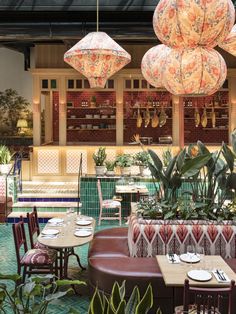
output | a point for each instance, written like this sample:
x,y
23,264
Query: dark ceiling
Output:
x,y
25,23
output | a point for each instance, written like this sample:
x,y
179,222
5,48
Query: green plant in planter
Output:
x,y
5,155
110,165
216,183
210,178
170,180
150,208
100,157
142,158
34,295
117,304
124,160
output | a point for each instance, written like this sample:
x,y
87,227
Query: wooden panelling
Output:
x,y
51,56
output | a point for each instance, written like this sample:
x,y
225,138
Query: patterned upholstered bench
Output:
x,y
148,238
129,253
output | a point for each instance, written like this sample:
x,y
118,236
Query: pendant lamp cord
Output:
x,y
97,14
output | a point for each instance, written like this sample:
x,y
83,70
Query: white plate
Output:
x,y
83,222
50,231
82,233
199,275
55,220
188,259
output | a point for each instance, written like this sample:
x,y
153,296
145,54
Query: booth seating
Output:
x,y
110,260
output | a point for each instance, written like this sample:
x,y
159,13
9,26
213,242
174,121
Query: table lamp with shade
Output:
x,y
22,124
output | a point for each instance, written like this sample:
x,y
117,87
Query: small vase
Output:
x,y
125,171
5,168
100,170
110,173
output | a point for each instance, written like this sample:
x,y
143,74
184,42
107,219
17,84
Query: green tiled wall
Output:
x,y
89,193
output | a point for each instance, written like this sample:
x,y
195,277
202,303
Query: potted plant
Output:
x,y
117,302
124,161
150,208
110,165
99,158
141,159
5,159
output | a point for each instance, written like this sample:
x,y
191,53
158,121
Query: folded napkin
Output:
x,y
173,258
220,276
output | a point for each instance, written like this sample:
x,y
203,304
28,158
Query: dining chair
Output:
x,y
105,205
34,229
206,300
33,261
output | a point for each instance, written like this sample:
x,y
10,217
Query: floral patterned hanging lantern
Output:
x,y
189,23
197,71
152,65
229,44
97,56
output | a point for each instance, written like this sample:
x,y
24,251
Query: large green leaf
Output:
x,y
56,295
28,287
96,306
156,160
181,159
14,277
133,301
70,282
146,303
229,157
154,171
233,140
212,161
115,296
202,148
122,290
158,175
170,167
192,166
121,307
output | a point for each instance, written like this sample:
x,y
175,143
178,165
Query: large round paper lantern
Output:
x,y
198,71
152,65
189,23
229,44
97,56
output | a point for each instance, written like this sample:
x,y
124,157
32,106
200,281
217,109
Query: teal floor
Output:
x,y
79,302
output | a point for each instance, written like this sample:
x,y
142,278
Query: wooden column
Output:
x,y
177,121
232,106
36,111
119,112
62,111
